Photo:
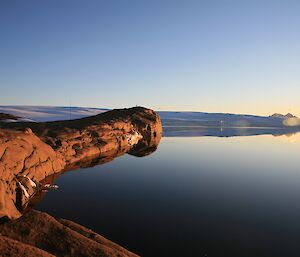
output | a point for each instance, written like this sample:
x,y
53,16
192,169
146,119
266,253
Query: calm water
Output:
x,y
194,196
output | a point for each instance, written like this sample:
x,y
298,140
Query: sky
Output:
x,y
214,56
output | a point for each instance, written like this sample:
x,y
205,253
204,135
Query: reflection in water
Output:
x,y
292,138
197,196
25,160
144,147
225,131
214,192
40,194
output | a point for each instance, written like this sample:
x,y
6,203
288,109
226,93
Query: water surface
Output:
x,y
194,196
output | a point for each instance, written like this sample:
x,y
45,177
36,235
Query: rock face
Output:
x,y
23,154
31,152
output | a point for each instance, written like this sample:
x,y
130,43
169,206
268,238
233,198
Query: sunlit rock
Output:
x,y
30,152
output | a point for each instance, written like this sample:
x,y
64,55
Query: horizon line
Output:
x,y
107,108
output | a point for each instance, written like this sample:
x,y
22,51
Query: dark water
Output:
x,y
194,196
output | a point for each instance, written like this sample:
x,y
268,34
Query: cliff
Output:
x,y
30,152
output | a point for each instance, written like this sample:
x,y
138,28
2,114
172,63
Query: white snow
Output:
x,y
49,113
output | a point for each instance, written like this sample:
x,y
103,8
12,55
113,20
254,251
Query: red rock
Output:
x,y
39,150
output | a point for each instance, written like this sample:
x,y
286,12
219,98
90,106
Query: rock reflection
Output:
x,y
31,152
145,147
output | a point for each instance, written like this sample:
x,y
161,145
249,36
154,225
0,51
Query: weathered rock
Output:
x,y
23,153
30,153
41,234
78,139
10,247
37,150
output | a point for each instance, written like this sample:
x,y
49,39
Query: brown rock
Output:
x,y
38,150
32,152
40,231
10,247
23,153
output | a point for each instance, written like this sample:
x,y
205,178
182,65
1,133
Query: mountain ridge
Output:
x,y
279,115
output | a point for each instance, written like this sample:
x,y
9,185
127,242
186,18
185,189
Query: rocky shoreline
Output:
x,y
31,152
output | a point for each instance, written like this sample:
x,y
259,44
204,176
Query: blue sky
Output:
x,y
216,56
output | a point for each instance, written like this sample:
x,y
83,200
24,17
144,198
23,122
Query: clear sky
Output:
x,y
217,56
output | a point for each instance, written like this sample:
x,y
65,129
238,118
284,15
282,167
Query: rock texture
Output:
x,y
10,247
31,152
39,234
23,154
36,150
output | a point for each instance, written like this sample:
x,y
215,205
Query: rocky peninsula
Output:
x,y
30,152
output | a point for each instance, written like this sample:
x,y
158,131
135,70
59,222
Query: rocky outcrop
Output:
x,y
32,151
39,234
79,139
23,154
